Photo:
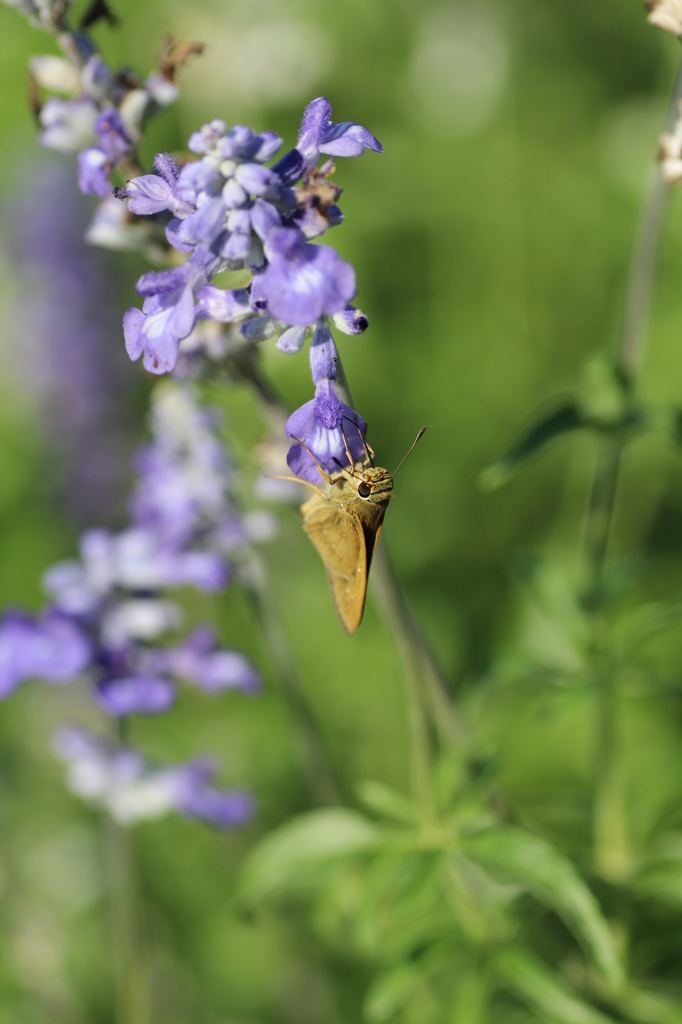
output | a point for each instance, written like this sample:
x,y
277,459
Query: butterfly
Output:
x,y
343,520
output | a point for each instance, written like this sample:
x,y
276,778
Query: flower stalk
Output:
x,y
611,855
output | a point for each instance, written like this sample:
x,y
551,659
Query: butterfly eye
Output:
x,y
364,490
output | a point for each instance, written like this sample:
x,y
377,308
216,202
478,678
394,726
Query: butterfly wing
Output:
x,y
340,540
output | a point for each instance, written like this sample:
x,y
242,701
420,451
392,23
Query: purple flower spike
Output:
x,y
135,695
324,439
318,135
304,282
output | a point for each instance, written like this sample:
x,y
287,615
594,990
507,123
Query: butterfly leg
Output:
x,y
297,480
351,463
368,450
325,475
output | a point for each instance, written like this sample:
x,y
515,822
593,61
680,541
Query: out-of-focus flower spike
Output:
x,y
135,695
55,74
68,125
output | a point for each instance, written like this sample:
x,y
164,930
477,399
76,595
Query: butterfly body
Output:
x,y
343,520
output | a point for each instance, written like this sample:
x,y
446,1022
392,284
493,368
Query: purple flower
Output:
x,y
94,169
68,125
152,193
318,135
207,136
223,306
304,282
96,163
112,135
135,695
319,425
200,661
195,798
132,790
52,648
223,808
157,329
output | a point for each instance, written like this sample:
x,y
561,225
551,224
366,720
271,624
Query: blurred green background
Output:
x,y
491,243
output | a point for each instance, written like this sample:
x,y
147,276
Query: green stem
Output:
x,y
320,780
611,853
129,954
427,697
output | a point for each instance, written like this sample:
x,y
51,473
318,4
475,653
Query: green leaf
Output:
x,y
647,1007
521,857
286,855
389,992
563,420
386,802
541,989
470,999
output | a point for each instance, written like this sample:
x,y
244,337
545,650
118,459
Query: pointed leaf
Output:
x,y
386,802
518,856
543,990
389,992
562,421
284,857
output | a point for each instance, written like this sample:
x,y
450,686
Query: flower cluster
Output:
x,y
108,609
100,114
131,790
230,211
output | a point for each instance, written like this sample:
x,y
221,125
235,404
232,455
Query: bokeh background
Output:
x,y
491,243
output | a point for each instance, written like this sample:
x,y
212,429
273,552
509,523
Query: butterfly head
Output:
x,y
376,485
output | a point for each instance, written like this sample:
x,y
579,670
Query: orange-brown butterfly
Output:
x,y
343,520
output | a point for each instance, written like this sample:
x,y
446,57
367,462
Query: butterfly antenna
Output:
x,y
351,461
411,449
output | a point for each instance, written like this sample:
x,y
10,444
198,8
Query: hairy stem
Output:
x,y
609,818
